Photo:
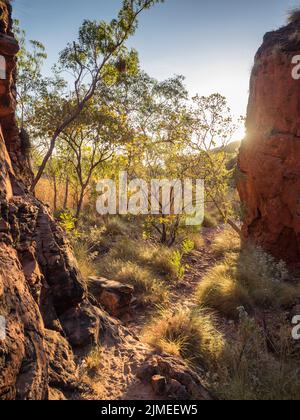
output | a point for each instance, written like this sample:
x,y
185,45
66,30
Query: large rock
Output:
x,y
23,364
113,296
82,325
172,378
269,160
63,375
39,279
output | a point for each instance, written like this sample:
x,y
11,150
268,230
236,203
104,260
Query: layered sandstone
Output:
x,y
269,160
40,286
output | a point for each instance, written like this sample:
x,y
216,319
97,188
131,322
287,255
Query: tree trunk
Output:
x,y
79,204
55,193
65,205
164,234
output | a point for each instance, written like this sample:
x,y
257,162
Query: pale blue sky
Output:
x,y
212,43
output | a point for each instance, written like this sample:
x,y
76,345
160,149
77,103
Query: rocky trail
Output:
x,y
124,366
198,263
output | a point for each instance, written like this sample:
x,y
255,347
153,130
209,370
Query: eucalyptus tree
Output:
x,y
94,62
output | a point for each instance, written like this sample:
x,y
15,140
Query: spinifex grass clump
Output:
x,y
189,334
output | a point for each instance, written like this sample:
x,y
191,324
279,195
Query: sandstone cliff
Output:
x,y
269,160
42,295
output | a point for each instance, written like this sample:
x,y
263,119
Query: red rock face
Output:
x,y
39,279
269,160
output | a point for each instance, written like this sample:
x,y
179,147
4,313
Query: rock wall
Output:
x,y
42,295
269,159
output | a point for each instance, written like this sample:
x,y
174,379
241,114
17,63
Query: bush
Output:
x,y
189,334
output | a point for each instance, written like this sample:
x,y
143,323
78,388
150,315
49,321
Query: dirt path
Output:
x,y
198,262
116,377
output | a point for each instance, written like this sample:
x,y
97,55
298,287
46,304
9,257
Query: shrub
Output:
x,y
187,246
190,334
294,15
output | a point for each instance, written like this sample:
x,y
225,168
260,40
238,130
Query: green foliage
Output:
x,y
67,222
176,261
31,58
187,246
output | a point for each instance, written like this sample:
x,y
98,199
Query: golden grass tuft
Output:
x,y
94,359
198,240
149,290
86,266
189,334
227,241
219,290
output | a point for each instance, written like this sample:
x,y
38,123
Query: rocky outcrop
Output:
x,y
269,159
171,378
40,284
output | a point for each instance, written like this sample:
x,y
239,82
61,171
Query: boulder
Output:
x,y
82,325
172,378
159,385
62,370
113,296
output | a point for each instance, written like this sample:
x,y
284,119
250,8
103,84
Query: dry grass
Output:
x,y
150,291
227,241
198,240
219,290
256,373
210,221
93,359
251,279
86,265
182,332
